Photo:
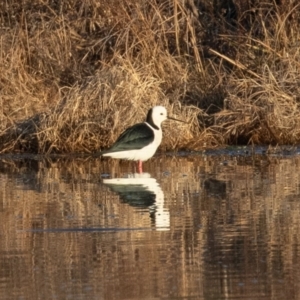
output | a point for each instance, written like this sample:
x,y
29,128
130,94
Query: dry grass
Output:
x,y
75,74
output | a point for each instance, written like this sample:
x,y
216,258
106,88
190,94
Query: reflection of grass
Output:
x,y
74,76
252,227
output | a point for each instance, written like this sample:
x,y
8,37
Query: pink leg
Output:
x,y
140,166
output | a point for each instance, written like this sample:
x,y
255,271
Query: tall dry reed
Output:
x,y
75,74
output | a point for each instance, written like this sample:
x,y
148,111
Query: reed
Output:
x,y
75,74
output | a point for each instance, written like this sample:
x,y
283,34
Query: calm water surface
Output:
x,y
207,226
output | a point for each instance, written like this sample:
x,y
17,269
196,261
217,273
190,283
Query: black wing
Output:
x,y
134,137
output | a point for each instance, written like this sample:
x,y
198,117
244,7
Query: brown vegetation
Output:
x,y
74,74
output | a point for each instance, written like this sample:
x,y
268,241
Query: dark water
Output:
x,y
214,226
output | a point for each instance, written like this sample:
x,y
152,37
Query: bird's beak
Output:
x,y
170,118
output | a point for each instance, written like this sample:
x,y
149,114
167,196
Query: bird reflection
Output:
x,y
142,191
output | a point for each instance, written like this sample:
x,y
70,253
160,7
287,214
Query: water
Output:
x,y
221,225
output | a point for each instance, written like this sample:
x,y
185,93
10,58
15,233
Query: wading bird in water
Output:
x,y
140,141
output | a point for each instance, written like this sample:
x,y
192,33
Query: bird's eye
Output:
x,y
161,114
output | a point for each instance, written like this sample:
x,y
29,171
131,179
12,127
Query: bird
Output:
x,y
140,141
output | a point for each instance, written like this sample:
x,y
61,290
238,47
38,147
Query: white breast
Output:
x,y
148,151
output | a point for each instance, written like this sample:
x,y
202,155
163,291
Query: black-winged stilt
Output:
x,y
140,141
